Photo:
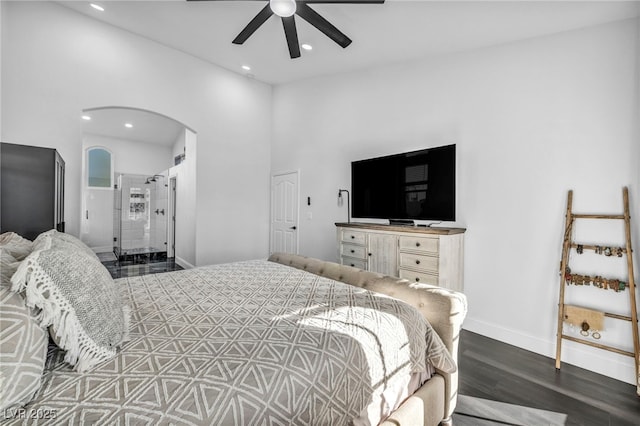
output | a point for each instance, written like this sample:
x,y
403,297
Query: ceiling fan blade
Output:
x,y
346,1
290,32
312,17
252,26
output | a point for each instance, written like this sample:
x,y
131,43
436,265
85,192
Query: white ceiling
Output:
x,y
147,127
396,31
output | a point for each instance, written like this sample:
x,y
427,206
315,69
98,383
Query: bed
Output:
x,y
288,340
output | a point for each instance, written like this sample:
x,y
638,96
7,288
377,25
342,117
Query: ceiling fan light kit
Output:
x,y
286,10
283,8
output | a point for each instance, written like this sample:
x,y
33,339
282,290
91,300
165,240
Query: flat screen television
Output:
x,y
412,185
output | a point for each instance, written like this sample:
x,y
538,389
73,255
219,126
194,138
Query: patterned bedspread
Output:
x,y
247,343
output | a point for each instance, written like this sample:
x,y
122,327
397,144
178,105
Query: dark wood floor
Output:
x,y
493,370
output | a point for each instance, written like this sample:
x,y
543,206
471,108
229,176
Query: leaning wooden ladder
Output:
x,y
566,248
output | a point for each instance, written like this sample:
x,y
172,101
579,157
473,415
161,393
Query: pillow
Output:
x,y
23,344
60,239
15,245
78,299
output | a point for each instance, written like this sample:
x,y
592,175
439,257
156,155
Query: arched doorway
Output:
x,y
127,209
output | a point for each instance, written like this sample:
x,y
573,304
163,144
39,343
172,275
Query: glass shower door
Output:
x,y
143,224
117,214
158,214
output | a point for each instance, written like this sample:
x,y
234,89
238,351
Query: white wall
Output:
x,y
57,62
1,37
531,120
132,157
186,174
635,159
178,147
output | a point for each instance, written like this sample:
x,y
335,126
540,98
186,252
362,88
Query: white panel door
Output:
x,y
284,213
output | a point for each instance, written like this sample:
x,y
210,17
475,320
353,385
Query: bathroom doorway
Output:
x,y
128,157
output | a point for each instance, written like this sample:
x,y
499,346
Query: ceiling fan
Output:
x,y
287,9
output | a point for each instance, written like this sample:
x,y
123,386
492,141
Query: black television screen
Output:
x,y
413,185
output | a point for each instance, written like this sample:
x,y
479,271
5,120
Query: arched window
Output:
x,y
99,168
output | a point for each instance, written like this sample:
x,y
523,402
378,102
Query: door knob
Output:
x,y
294,227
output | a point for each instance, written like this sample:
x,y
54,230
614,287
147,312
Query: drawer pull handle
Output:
x,y
353,265
370,254
353,237
417,279
353,251
417,244
417,262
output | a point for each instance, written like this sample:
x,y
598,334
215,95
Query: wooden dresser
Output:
x,y
429,255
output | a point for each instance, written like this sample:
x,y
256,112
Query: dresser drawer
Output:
x,y
423,244
419,277
352,250
355,237
419,262
356,263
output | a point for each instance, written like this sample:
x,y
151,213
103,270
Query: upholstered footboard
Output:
x,y
435,401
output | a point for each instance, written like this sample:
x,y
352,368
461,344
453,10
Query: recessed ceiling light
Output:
x,y
128,125
246,67
306,46
86,117
97,7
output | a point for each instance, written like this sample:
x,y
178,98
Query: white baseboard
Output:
x,y
606,363
184,263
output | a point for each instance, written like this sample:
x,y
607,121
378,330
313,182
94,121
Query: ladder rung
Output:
x,y
597,216
599,345
593,247
616,316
